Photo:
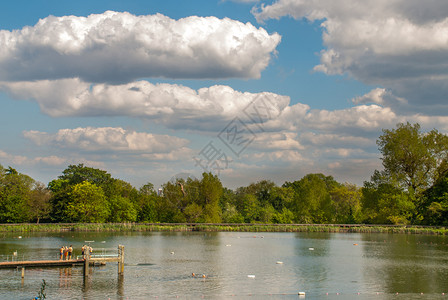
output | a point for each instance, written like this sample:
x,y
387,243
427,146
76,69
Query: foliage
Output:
x,y
122,210
87,204
312,202
15,194
406,191
414,160
42,294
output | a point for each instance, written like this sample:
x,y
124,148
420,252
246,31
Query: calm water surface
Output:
x,y
235,265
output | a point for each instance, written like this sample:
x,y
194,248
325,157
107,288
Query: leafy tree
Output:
x,y
249,206
384,203
347,203
122,210
193,212
172,204
39,202
230,214
414,160
285,216
87,204
210,193
281,197
312,201
75,174
262,190
435,200
60,190
146,204
15,193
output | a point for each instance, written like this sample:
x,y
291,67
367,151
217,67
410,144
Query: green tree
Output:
x,y
39,202
210,193
60,190
249,207
413,159
75,174
230,214
312,202
193,212
87,204
122,209
384,202
347,203
435,200
146,203
15,194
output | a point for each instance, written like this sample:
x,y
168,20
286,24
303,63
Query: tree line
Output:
x,y
412,188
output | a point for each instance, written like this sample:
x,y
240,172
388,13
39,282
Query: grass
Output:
x,y
121,227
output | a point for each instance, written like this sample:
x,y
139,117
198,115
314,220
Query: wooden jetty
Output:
x,y
87,261
41,263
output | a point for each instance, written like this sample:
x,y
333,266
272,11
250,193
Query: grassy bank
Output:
x,y
117,227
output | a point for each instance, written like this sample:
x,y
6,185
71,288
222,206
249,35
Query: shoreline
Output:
x,y
202,227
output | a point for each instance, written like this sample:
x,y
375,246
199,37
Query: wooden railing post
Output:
x,y
120,259
86,261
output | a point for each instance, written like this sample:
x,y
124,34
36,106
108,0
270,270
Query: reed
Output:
x,y
253,227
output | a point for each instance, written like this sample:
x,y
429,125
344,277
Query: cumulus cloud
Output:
x,y
277,141
208,109
173,105
15,159
118,47
360,120
107,139
335,140
398,44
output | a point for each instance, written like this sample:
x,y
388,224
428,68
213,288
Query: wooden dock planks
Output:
x,y
40,263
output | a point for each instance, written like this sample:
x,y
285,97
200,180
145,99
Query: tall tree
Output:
x,y
347,203
87,204
210,193
15,193
383,202
75,174
39,202
312,202
415,160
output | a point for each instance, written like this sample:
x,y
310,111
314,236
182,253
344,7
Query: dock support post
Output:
x,y
86,261
120,259
23,272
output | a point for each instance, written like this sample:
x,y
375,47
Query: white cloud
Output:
x,y
357,121
277,141
335,140
173,105
401,45
118,47
52,160
13,159
107,139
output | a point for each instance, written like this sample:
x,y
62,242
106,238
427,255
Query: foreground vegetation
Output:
x,y
412,189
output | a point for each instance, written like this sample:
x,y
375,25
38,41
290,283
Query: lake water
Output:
x,y
235,265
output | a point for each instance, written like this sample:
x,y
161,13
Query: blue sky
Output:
x,y
247,90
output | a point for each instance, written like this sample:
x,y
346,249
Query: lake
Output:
x,y
234,265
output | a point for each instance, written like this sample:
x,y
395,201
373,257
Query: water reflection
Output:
x,y
406,263
262,265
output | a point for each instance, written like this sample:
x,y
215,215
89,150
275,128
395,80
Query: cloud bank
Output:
x,y
401,45
173,105
108,139
118,47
